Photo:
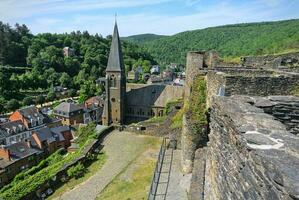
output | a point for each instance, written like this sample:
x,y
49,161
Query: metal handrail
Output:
x,y
157,172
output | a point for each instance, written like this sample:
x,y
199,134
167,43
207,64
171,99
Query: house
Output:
x,y
154,79
30,117
67,52
49,140
69,113
179,82
16,158
168,75
139,69
93,109
155,69
133,75
13,132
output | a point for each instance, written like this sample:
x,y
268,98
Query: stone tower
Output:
x,y
115,84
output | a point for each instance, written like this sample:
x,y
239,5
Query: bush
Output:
x,y
72,93
12,105
51,96
27,101
76,171
40,99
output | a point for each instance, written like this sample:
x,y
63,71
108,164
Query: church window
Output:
x,y
113,99
112,81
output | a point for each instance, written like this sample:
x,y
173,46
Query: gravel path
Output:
x,y
121,148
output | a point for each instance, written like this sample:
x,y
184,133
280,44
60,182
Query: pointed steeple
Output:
x,y
115,61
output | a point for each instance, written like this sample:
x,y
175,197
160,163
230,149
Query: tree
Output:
x,y
76,171
72,93
12,105
27,101
88,89
40,99
65,80
51,96
2,105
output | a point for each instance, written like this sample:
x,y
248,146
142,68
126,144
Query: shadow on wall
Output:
x,y
146,101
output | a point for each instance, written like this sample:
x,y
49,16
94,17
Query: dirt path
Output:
x,y
121,148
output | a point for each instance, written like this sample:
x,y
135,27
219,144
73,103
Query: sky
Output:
x,y
166,17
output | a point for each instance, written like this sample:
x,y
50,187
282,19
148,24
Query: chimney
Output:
x,y
4,153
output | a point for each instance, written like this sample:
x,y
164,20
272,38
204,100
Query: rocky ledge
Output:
x,y
251,154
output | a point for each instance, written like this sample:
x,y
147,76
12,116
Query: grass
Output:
x,y
177,120
156,119
91,169
295,91
134,181
232,60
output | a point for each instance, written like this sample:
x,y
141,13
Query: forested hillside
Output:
x,y
230,41
30,63
142,38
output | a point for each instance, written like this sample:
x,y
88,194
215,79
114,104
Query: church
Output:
x,y
134,102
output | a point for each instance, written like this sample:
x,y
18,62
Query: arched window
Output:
x,y
112,81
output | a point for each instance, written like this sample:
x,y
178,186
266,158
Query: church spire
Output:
x,y
115,61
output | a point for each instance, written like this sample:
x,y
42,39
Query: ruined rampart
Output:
x,y
250,154
252,82
272,61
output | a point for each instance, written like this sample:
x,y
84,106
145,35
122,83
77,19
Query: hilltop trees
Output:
x,y
47,65
230,41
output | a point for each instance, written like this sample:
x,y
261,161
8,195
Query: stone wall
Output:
x,y
284,108
144,101
194,66
272,61
189,143
250,155
254,83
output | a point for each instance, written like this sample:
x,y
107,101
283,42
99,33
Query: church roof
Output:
x,y
115,61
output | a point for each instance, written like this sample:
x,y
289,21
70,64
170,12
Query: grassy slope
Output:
x,y
231,41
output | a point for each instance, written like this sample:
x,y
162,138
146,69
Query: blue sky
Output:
x,y
141,16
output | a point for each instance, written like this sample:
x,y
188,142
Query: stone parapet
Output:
x,y
250,154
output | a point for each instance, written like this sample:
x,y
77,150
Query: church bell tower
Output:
x,y
115,84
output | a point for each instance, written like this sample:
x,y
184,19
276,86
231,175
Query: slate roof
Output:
x,y
51,135
60,129
115,61
15,127
67,107
2,134
44,134
31,112
20,150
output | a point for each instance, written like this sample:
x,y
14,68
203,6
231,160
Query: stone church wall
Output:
x,y
145,101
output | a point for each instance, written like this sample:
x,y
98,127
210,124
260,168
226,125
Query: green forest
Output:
x,y
35,64
142,38
231,41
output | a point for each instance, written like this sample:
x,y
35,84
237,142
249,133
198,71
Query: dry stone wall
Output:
x,y
272,61
251,83
250,154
